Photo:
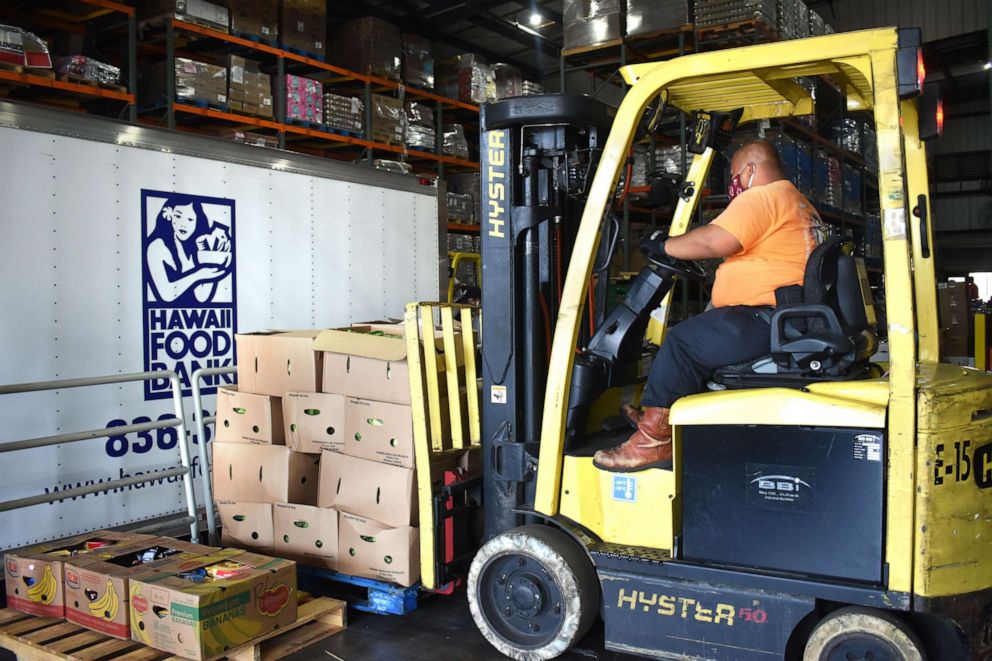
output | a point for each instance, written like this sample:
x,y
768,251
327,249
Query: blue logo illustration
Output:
x,y
625,488
188,285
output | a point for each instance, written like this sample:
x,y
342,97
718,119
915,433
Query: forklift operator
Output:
x,y
765,236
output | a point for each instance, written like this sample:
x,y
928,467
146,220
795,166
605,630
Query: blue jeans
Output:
x,y
694,348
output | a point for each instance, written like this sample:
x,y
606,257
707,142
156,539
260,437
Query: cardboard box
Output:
x,y
370,45
306,534
96,584
314,421
264,474
379,431
278,362
205,618
303,25
246,525
373,550
369,361
34,575
367,488
256,17
244,417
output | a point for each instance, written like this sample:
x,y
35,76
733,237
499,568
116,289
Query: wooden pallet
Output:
x,y
738,33
46,639
66,78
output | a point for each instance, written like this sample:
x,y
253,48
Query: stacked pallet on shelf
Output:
x,y
304,99
418,61
467,77
369,46
591,24
420,128
248,89
388,120
256,18
344,113
645,17
198,83
303,26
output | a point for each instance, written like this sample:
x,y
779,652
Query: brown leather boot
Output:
x,y
633,414
649,447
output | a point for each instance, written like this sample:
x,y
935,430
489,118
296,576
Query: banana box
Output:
x,y
203,607
34,575
96,584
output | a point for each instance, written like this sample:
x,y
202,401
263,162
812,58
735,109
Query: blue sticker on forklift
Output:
x,y
625,488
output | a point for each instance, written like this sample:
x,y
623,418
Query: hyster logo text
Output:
x,y
496,212
188,286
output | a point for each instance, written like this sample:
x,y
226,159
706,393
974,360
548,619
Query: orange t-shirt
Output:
x,y
778,229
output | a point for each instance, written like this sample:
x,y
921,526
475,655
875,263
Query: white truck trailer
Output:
x,y
128,249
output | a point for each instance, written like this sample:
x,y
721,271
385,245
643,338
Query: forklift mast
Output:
x,y
538,157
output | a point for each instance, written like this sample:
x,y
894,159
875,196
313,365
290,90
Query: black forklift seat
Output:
x,y
825,337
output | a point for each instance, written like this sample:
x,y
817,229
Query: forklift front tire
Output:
x,y
863,633
533,592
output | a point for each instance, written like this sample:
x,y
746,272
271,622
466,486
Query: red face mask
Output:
x,y
736,187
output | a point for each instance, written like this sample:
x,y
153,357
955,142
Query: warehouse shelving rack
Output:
x,y
160,38
163,35
104,17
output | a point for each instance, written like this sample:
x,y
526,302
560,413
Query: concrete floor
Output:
x,y
440,628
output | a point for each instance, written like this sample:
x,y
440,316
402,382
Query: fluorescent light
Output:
x,y
536,19
988,65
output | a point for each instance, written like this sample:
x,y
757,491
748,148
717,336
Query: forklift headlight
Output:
x,y
930,108
909,62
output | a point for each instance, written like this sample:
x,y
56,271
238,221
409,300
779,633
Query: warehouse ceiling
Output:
x,y
525,33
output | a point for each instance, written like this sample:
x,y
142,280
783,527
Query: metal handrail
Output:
x,y
179,422
201,424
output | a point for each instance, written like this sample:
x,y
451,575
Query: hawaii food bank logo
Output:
x,y
188,285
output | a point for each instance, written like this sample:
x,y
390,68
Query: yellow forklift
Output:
x,y
820,506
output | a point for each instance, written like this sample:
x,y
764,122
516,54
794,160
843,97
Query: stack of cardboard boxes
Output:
x,y
254,471
194,82
369,45
255,17
303,26
388,120
248,89
339,399
182,598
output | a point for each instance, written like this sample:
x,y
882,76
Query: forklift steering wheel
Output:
x,y
685,268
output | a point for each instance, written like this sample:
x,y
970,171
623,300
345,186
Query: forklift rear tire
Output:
x,y
533,592
863,633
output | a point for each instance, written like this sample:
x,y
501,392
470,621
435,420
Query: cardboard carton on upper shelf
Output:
x,y
314,421
264,473
303,25
201,12
202,607
274,363
256,17
246,525
367,488
306,534
374,550
96,584
418,62
369,45
34,575
248,418
589,23
388,120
